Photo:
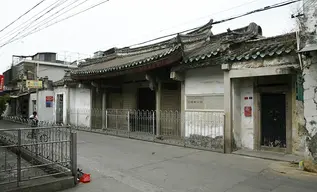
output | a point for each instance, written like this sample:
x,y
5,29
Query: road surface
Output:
x,y
118,164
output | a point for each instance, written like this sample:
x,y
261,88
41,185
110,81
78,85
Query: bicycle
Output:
x,y
34,134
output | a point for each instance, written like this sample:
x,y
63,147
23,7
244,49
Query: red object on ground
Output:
x,y
85,178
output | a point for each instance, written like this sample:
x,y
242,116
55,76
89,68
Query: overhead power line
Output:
x,y
51,17
39,3
37,29
56,15
26,24
277,5
208,16
40,17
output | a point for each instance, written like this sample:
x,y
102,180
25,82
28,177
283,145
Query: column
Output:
x,y
158,108
68,110
228,113
104,108
182,124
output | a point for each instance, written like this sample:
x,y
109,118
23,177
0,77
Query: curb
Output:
x,y
291,171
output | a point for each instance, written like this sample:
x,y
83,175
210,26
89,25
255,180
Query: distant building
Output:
x,y
26,70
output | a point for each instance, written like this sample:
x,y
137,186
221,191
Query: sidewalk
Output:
x,y
269,155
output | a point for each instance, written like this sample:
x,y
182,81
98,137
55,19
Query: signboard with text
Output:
x,y
33,84
49,101
1,83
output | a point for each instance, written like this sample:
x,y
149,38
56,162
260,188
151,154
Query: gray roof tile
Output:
x,y
264,47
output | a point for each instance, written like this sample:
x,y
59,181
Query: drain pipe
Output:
x,y
298,47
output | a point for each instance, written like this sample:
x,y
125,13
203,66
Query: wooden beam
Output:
x,y
177,76
152,80
261,71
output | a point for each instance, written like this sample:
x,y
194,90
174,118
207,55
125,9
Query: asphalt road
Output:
x,y
118,164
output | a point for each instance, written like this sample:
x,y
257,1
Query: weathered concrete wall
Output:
x,y
236,117
309,22
309,36
243,127
80,107
44,113
299,132
53,73
204,82
310,103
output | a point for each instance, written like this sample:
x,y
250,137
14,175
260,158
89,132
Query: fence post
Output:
x,y
19,159
73,150
106,126
116,121
154,124
37,135
223,131
128,124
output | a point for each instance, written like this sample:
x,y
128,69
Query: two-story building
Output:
x,y
29,74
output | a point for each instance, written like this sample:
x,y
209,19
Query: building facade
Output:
x,y
28,73
308,54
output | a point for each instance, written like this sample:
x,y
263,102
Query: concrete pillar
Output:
x,y
104,107
158,108
228,113
92,96
236,112
182,124
68,109
309,37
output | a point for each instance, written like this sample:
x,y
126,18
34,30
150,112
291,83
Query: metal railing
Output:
x,y
195,129
41,153
28,122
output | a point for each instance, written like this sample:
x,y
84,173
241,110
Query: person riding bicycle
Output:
x,y
34,122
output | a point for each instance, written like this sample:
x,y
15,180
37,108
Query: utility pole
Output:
x,y
37,89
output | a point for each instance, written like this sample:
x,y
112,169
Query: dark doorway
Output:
x,y
60,108
273,120
146,99
144,119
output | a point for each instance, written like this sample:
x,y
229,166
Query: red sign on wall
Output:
x,y
49,101
1,83
248,111
49,98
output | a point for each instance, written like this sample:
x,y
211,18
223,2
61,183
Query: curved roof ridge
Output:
x,y
276,37
127,51
252,28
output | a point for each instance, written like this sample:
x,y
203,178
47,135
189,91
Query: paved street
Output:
x,y
118,164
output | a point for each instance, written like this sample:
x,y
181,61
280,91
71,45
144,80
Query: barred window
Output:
x,y
299,88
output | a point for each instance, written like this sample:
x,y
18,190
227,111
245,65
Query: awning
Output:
x,y
308,48
19,95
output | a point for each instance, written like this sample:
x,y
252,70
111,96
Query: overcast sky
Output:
x,y
120,23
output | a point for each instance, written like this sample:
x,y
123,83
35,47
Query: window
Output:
x,y
299,88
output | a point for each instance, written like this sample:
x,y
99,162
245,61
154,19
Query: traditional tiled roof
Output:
x,y
219,43
121,62
128,58
264,47
66,79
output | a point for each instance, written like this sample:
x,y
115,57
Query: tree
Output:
x,y
3,101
